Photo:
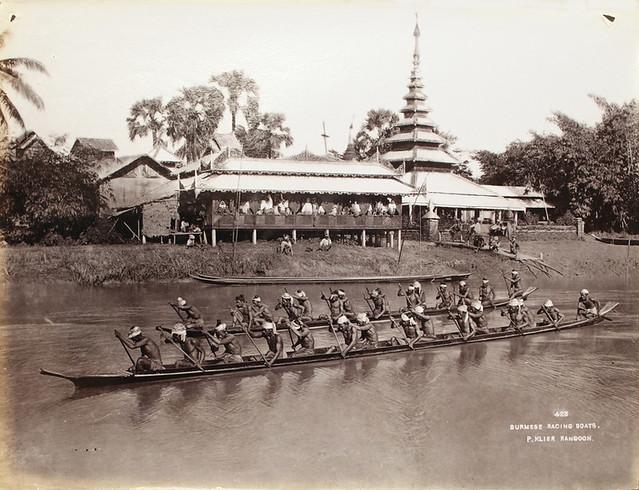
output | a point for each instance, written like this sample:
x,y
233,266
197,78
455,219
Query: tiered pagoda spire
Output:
x,y
415,143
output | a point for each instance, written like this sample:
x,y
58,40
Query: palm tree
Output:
x,y
374,132
10,77
147,116
236,83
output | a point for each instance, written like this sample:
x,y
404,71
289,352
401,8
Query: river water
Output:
x,y
440,418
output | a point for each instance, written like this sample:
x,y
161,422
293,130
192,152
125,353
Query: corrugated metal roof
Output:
x,y
310,184
420,155
300,167
463,201
514,191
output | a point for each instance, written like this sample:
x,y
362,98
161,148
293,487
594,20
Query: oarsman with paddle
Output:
x,y
476,314
347,308
517,319
232,346
305,304
150,359
334,305
553,314
273,340
486,292
292,309
420,293
193,356
259,312
587,307
304,339
513,283
463,322
530,317
242,311
189,314
464,294
411,331
349,332
426,326
368,333
412,300
444,296
378,299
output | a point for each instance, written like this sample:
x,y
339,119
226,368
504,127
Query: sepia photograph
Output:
x,y
320,244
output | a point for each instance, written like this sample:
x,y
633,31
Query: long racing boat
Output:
x,y
252,363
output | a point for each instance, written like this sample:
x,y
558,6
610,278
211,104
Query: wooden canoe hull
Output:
x,y
244,281
617,241
251,364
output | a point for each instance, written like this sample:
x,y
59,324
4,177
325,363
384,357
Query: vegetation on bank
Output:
x,y
95,265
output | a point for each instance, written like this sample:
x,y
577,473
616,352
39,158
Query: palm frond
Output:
x,y
9,111
21,87
28,63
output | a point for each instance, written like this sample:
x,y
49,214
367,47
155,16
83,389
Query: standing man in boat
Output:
x,y
412,300
368,335
464,294
587,307
232,346
486,292
379,303
273,340
150,359
304,339
551,312
347,308
444,296
292,309
305,304
427,326
476,314
259,312
513,283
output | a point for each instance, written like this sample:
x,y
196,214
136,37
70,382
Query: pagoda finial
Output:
x,y
416,33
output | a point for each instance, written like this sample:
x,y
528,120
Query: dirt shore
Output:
x,y
95,265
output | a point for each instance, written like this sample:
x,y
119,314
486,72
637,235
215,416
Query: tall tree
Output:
x,y
266,136
462,168
12,78
147,116
236,84
192,119
374,131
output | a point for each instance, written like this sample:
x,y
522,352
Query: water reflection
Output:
x,y
471,355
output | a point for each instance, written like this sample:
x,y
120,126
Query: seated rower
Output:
x,y
420,293
304,339
293,310
379,303
464,294
348,331
150,359
347,308
550,312
412,300
241,312
305,304
259,312
517,318
464,322
334,305
587,307
273,340
486,293
232,346
476,314
426,322
530,317
368,337
188,345
189,314
444,296
514,284
411,331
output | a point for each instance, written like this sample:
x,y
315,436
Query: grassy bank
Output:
x,y
94,265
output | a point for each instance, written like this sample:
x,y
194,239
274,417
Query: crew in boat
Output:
x,y
409,325
444,296
464,294
514,283
551,312
189,347
259,312
334,305
587,307
150,359
486,292
379,303
412,300
420,293
347,308
232,346
292,309
464,322
476,314
304,340
273,340
426,322
368,334
305,303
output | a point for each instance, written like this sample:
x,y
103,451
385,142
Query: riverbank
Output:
x,y
103,264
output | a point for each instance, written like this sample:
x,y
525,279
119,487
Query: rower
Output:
x,y
273,340
464,293
150,359
347,308
232,346
486,293
530,317
444,296
464,322
188,345
554,315
189,314
517,319
427,326
368,334
348,331
587,307
242,311
259,312
379,303
334,305
412,300
420,293
305,304
411,331
304,339
293,310
476,314
513,283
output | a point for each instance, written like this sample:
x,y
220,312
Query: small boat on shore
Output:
x,y
617,241
250,280
322,356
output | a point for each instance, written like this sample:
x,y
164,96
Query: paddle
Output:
x,y
255,344
401,329
461,332
117,334
367,300
197,364
177,312
547,313
331,327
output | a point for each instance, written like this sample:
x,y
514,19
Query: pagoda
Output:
x,y
416,146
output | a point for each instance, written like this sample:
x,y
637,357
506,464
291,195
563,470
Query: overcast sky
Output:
x,y
493,71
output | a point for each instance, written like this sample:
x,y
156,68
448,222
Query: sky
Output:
x,y
493,70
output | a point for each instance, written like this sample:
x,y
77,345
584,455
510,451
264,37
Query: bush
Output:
x,y
568,219
530,218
